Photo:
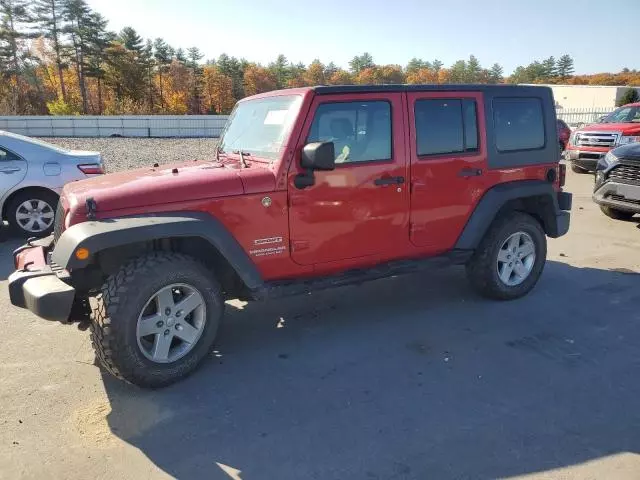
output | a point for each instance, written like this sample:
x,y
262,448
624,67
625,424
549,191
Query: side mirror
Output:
x,y
318,156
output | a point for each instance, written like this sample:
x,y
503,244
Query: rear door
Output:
x,y
12,170
362,207
448,164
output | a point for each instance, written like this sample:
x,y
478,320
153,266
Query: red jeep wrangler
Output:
x,y
309,188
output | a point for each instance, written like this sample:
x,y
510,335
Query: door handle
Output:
x,y
470,172
9,170
388,181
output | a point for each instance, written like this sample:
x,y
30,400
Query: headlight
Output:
x,y
609,159
628,139
572,138
605,162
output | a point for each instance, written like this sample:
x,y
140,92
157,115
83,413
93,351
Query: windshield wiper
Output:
x,y
242,155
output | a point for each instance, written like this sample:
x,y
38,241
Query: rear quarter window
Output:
x,y
518,124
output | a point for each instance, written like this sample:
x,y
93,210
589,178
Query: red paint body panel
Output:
x,y
441,201
345,215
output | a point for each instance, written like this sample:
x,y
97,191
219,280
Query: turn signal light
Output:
x,y
82,253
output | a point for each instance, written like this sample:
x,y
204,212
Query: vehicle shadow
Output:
x,y
410,377
8,243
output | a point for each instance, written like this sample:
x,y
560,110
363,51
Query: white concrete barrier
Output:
x,y
123,126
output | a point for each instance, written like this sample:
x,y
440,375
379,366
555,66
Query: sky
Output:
x,y
509,32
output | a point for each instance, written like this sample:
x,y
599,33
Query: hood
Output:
x,y
629,152
625,128
152,186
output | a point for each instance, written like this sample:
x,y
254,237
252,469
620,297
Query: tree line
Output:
x,y
59,57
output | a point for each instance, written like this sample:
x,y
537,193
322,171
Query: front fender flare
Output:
x,y
99,235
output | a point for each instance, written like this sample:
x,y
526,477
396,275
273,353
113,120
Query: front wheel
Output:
x,y
510,258
156,319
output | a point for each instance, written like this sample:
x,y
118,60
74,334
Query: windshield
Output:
x,y
623,115
260,127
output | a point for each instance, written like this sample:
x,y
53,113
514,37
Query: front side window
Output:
x,y
518,123
446,126
260,127
360,131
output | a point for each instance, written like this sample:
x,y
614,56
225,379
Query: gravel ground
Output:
x,y
127,153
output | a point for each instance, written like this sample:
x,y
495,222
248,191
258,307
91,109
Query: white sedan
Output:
x,y
32,174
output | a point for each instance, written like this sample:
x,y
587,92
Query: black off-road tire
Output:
x,y
50,198
615,213
123,296
482,270
576,169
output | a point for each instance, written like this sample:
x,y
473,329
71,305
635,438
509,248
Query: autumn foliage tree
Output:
x,y
59,57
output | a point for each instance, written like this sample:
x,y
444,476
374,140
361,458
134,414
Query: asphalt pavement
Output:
x,y
414,377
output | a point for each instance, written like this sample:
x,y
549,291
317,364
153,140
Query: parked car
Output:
x,y
32,174
564,132
589,144
311,188
617,186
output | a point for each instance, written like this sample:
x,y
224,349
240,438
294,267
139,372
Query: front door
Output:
x,y
448,164
12,170
360,208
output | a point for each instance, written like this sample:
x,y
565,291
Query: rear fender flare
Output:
x,y
99,235
496,198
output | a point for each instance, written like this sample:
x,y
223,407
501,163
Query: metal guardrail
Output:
x,y
162,126
578,117
116,126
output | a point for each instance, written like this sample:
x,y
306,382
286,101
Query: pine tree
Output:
x,y
14,18
329,70
473,71
280,70
131,40
361,62
97,41
630,95
565,67
495,73
48,16
436,65
180,56
162,55
550,68
193,62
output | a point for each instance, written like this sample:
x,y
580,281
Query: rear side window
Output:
x,y
518,124
7,155
446,126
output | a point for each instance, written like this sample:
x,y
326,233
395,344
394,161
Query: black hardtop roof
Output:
x,y
494,89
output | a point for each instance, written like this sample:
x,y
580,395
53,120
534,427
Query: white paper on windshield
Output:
x,y
275,117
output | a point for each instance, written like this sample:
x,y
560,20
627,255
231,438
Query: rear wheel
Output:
x,y
615,213
32,213
510,258
156,319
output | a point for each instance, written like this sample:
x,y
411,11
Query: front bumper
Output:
x,y
586,159
622,196
36,286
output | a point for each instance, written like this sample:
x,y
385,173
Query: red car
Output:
x,y
310,188
591,143
564,132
